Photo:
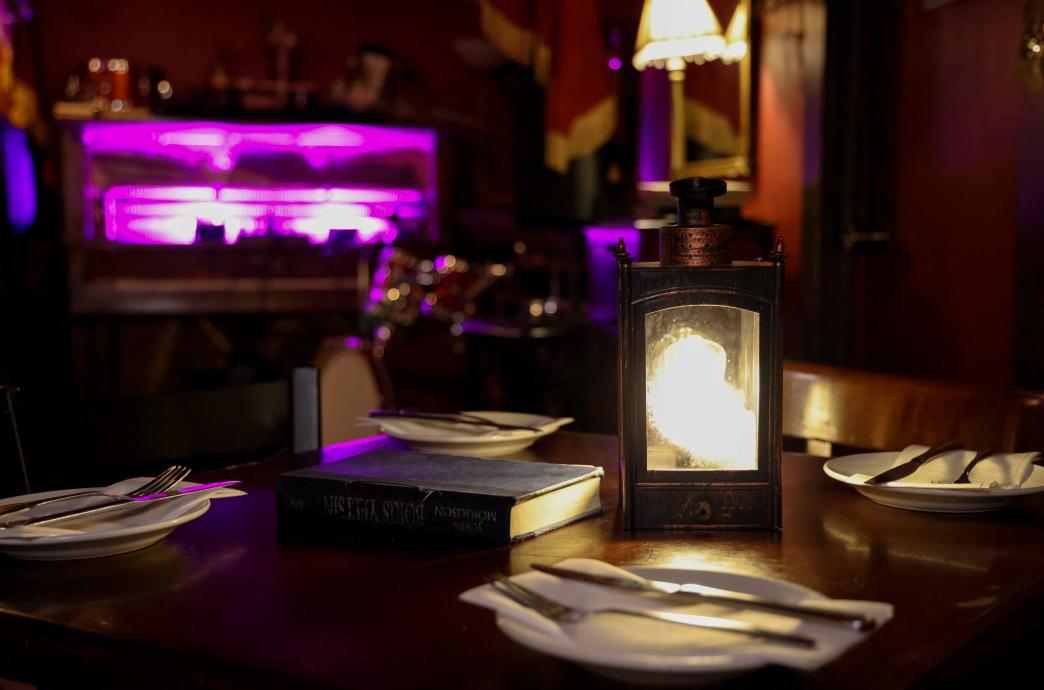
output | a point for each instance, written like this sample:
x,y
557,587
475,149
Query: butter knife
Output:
x,y
911,465
852,619
123,502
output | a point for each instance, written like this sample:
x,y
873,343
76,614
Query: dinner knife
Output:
x,y
910,466
690,591
122,502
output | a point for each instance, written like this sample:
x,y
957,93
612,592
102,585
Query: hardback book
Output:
x,y
499,501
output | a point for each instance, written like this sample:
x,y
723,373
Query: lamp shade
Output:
x,y
674,31
736,35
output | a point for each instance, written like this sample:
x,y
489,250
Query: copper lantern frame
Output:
x,y
697,270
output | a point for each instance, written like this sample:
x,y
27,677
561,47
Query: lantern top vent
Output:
x,y
695,240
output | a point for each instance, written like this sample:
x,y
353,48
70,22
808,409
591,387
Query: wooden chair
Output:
x,y
830,407
352,381
111,439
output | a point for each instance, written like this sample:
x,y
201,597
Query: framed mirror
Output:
x,y
714,105
697,115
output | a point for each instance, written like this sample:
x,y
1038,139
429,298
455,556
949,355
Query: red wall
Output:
x,y
185,36
786,96
941,302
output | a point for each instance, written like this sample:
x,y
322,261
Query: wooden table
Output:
x,y
225,603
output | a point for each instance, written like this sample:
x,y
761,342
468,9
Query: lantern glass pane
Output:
x,y
701,388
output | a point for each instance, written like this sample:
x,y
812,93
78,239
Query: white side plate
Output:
x,y
113,533
469,439
971,500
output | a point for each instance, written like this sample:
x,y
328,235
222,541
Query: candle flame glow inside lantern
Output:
x,y
696,410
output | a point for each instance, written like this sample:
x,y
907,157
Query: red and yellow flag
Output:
x,y
562,41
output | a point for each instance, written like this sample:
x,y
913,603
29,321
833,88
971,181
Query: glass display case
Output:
x,y
203,215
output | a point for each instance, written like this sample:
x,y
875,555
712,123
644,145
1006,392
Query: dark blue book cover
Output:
x,y
440,494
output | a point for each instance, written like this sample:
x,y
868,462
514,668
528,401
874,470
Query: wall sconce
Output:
x,y
701,376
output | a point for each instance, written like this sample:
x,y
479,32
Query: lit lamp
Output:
x,y
671,33
700,376
736,35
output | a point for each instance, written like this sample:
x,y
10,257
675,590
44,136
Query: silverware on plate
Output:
x,y
981,455
121,502
161,482
911,465
690,592
453,417
563,613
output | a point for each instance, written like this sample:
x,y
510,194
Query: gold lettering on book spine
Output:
x,y
410,514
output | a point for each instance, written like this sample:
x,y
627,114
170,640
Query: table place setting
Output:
x,y
103,521
671,626
946,478
487,433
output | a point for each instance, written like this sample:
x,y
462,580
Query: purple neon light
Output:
x,y
222,144
267,194
601,264
172,215
601,239
346,449
19,178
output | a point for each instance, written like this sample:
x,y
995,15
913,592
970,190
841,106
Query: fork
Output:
x,y
562,613
964,478
163,481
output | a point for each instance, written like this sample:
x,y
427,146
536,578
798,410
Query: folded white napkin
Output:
x,y
627,639
1000,472
139,514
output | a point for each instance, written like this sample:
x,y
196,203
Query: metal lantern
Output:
x,y
700,376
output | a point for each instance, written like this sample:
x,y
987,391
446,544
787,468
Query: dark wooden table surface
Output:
x,y
225,602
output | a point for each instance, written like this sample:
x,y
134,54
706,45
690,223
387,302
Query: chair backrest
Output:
x,y
108,439
832,406
352,381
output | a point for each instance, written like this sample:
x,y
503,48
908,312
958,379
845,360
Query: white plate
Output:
x,y
698,666
111,533
942,500
469,439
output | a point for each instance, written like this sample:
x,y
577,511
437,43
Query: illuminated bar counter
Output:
x,y
181,217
